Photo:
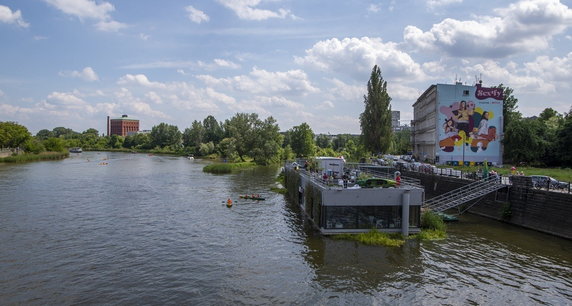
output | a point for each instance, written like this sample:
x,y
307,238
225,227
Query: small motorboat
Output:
x,y
76,150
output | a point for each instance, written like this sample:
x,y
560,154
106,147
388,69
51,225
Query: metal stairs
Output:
x,y
463,194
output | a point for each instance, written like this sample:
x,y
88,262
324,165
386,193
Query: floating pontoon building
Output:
x,y
334,207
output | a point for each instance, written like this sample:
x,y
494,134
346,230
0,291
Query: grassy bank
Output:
x,y
433,228
223,168
22,158
374,237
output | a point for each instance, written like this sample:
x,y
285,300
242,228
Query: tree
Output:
x,y
563,147
375,121
302,140
164,134
323,141
212,129
523,141
44,134
268,142
241,127
339,143
509,106
13,135
116,141
64,132
54,144
194,136
402,141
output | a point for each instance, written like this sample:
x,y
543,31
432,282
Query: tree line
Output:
x,y
543,140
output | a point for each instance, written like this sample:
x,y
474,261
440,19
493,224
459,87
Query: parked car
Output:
x,y
543,181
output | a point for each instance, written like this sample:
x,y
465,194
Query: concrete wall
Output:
x,y
541,210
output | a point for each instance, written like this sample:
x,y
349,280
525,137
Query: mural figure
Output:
x,y
466,125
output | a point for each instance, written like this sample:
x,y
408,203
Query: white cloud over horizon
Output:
x,y
12,17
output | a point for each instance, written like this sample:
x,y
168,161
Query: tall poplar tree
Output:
x,y
375,121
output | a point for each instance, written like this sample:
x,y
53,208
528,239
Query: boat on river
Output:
x,y
252,197
76,150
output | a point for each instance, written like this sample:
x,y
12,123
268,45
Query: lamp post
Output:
x,y
464,149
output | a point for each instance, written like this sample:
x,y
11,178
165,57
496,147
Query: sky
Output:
x,y
72,63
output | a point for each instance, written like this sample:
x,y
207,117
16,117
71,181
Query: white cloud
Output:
x,y
8,16
325,105
438,3
345,92
1,93
225,63
357,56
259,81
139,79
87,74
556,70
180,95
374,8
246,9
215,64
195,15
153,96
87,9
523,26
110,26
144,36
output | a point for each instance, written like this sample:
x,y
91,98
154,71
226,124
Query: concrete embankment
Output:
x,y
519,204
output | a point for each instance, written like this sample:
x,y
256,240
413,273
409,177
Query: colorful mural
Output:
x,y
469,124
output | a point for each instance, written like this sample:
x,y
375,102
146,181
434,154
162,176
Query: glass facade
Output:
x,y
367,217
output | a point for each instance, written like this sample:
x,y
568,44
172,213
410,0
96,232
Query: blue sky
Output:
x,y
73,62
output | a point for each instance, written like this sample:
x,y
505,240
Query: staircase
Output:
x,y
463,194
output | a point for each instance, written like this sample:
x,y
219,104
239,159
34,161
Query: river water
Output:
x,y
118,228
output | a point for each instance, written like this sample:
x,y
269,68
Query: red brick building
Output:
x,y
122,126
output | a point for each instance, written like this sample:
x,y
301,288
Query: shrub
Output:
x,y
431,220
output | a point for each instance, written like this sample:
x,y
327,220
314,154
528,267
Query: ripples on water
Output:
x,y
155,230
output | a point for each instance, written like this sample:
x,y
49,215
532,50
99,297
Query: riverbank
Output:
x,y
22,158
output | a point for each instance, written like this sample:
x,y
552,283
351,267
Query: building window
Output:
x,y
465,92
367,217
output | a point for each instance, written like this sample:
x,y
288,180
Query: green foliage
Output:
x,y
267,142
54,144
279,190
193,137
34,157
323,141
375,121
34,145
430,234
164,134
13,135
241,127
402,142
523,141
302,140
116,141
213,130
374,237
206,148
44,134
509,111
224,168
432,221
65,133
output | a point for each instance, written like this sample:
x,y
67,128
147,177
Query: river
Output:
x,y
119,228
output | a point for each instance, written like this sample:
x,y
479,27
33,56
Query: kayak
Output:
x,y
249,197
